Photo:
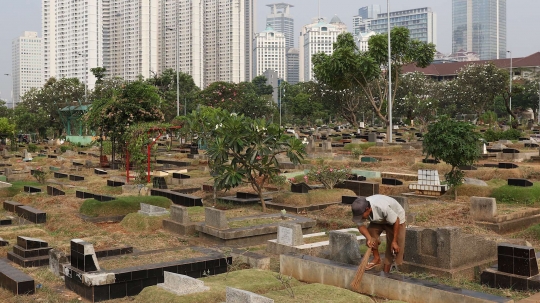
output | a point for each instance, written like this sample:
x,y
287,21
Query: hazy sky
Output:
x,y
523,23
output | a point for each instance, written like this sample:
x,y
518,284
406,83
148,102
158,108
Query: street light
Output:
x,y
177,72
511,74
85,77
389,73
12,103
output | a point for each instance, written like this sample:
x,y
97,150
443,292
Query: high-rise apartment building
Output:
x,y
316,38
479,26
130,38
293,66
214,39
362,40
72,38
362,21
421,23
281,21
27,64
269,53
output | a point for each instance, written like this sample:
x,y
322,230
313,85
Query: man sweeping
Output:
x,y
384,214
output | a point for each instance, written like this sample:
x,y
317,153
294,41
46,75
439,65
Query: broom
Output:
x,y
355,284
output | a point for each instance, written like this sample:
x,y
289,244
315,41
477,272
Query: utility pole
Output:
x,y
511,76
389,74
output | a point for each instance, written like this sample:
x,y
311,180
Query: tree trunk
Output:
x,y
455,193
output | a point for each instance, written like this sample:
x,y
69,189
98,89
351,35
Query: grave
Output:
x,y
216,228
288,235
510,151
368,160
507,165
98,171
30,252
344,248
181,285
152,211
391,181
159,182
301,188
468,167
361,188
484,213
15,280
234,295
243,198
31,189
520,182
60,175
356,177
179,222
516,268
115,183
53,191
85,195
447,252
4,222
177,198
428,183
31,214
431,161
76,178
3,242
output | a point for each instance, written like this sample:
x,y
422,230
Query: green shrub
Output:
x,y
32,148
121,206
511,134
517,195
357,152
64,148
533,231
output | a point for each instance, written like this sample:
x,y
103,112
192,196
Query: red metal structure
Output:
x,y
160,131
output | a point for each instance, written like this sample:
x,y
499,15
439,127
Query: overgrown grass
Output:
x,y
253,222
120,206
17,187
136,222
517,195
531,232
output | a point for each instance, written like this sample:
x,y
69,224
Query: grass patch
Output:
x,y
531,232
257,281
136,222
517,195
196,214
120,206
313,197
17,187
316,239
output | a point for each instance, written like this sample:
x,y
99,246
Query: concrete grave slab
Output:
x,y
215,218
344,248
152,210
181,284
234,295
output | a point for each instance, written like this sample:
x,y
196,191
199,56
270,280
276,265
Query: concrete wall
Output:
x,y
394,287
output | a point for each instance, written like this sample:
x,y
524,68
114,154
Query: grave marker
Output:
x,y
290,234
344,248
520,182
234,295
483,209
215,218
181,285
152,210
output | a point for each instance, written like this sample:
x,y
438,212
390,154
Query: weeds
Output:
x,y
286,281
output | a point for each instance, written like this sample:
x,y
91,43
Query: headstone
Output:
x,y
520,182
391,181
368,160
510,151
507,165
483,209
344,248
3,242
181,285
27,157
363,188
430,161
301,188
517,260
56,260
234,295
326,146
152,210
290,234
179,214
83,256
372,137
215,218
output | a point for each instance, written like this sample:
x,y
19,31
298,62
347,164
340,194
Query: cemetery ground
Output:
x,y
70,218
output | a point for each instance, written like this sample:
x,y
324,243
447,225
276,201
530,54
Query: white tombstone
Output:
x,y
151,210
428,177
181,285
235,295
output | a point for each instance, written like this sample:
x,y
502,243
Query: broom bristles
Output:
x,y
355,284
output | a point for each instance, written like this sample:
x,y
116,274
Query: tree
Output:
x,y
242,149
477,86
30,122
455,143
99,73
7,128
348,68
527,96
261,88
417,98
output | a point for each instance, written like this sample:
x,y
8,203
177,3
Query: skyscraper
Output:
x,y
293,66
370,11
281,21
269,53
421,23
27,67
479,26
315,38
130,38
214,42
72,39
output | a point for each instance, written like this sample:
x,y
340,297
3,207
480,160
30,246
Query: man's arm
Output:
x,y
395,246
364,231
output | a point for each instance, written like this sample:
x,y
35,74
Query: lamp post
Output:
x,y
511,76
389,74
12,103
177,72
85,77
